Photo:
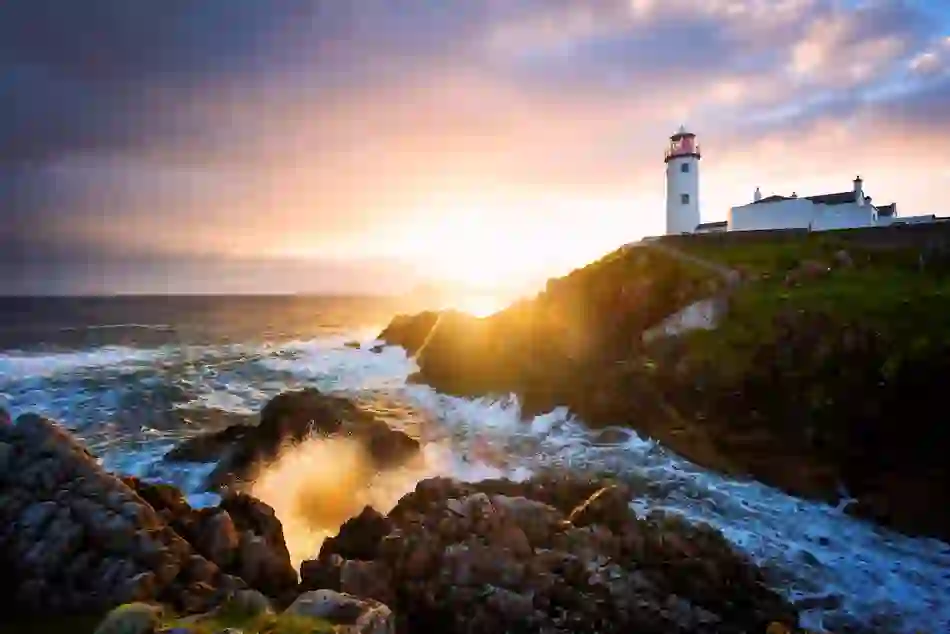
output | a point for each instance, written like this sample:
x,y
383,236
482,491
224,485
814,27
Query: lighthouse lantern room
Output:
x,y
682,183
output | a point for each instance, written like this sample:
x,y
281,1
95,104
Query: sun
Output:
x,y
478,305
476,250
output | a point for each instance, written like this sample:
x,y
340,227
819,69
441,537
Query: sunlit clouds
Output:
x,y
479,142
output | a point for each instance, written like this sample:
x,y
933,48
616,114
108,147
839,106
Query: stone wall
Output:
x,y
895,236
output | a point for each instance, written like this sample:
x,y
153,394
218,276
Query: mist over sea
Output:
x,y
132,376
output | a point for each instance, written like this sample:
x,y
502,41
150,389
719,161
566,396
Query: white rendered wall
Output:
x,y
682,218
799,213
796,213
846,216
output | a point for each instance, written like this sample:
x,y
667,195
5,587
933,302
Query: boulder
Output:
x,y
360,616
249,603
286,419
135,618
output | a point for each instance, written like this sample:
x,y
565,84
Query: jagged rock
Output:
x,y
324,573
553,554
74,538
220,539
288,418
359,537
367,579
241,537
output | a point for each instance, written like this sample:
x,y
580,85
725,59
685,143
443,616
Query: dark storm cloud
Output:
x,y
84,76
319,86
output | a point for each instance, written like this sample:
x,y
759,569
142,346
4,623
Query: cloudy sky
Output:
x,y
364,145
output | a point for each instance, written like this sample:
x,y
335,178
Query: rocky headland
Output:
x,y
558,553
813,362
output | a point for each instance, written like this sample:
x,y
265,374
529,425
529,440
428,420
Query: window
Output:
x,y
684,198
684,168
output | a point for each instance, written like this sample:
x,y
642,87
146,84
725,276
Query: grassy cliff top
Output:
x,y
892,283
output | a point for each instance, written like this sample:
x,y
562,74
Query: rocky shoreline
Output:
x,y
558,553
822,375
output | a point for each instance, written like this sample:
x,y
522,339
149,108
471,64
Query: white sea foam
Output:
x,y
158,327
883,580
23,365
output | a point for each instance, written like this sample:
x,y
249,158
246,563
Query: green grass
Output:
x,y
263,624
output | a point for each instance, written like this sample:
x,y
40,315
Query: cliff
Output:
x,y
812,362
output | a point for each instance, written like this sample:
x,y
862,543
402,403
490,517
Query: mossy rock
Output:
x,y
261,624
132,618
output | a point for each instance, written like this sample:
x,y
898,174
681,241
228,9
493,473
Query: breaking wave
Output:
x,y
842,570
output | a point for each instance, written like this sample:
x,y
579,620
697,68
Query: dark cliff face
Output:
x,y
827,371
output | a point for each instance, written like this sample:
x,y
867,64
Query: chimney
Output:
x,y
757,196
859,191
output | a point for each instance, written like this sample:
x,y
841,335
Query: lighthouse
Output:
x,y
682,183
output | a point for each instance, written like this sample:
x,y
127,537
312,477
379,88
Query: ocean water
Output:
x,y
134,376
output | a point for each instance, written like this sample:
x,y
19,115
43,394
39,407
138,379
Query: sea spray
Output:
x,y
318,484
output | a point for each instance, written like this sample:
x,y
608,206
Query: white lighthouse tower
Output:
x,y
682,183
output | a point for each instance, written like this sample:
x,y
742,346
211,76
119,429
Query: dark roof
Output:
x,y
822,199
771,199
712,225
833,199
887,210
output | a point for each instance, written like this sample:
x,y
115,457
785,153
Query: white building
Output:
x,y
841,210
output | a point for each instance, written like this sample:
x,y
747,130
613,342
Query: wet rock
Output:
x,y
288,418
609,506
367,579
322,574
359,537
503,556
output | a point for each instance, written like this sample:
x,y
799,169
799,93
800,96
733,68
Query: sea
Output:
x,y
133,376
